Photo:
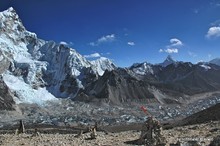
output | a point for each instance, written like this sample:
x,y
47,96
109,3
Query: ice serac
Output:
x,y
169,60
102,64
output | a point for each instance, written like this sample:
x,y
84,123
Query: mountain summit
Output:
x,y
169,60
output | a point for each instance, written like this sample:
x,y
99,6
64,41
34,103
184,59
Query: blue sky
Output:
x,y
127,31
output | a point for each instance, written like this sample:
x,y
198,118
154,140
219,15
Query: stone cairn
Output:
x,y
151,133
21,128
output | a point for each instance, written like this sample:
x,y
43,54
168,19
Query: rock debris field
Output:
x,y
202,133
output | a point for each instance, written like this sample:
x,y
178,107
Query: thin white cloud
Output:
x,y
131,43
171,50
107,38
192,54
161,50
213,32
66,44
209,55
94,55
216,23
200,61
103,39
175,42
92,44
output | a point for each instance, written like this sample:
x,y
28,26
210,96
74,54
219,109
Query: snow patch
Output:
x,y
206,67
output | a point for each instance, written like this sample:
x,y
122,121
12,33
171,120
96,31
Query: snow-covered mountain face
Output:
x,y
102,64
215,61
42,70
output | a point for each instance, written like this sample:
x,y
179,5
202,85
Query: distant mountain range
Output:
x,y
34,71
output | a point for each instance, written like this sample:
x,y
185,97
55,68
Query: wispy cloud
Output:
x,y
209,55
173,47
131,43
192,54
171,50
103,39
160,51
175,42
66,44
215,3
213,32
216,23
94,55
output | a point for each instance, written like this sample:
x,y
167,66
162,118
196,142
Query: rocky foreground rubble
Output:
x,y
194,135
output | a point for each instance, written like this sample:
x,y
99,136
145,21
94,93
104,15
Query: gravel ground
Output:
x,y
200,132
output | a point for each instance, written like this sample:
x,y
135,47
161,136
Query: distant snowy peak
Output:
x,y
102,64
169,60
14,37
215,61
142,68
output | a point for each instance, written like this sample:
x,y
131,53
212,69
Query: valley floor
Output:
x,y
200,132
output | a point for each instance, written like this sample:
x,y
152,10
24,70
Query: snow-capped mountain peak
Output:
x,y
169,60
101,64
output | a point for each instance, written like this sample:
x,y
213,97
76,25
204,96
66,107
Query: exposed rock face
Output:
x,y
6,97
4,62
147,81
119,86
190,79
